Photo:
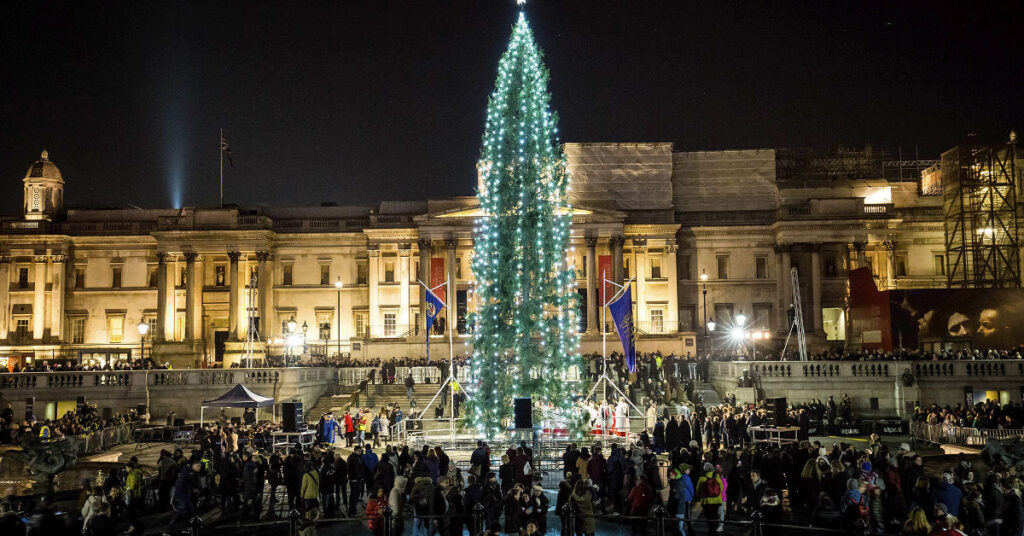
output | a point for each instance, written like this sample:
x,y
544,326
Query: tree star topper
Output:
x,y
520,2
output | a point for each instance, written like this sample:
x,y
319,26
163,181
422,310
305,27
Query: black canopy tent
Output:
x,y
238,397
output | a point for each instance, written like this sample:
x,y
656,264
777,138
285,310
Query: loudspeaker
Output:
x,y
291,416
777,408
523,413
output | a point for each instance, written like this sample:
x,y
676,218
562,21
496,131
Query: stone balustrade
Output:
x,y
878,388
164,391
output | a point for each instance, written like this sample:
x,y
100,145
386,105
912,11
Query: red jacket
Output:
x,y
349,427
641,499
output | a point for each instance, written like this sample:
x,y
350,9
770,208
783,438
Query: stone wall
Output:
x,y
941,382
164,391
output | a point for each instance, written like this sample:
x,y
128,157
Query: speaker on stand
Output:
x,y
291,416
523,413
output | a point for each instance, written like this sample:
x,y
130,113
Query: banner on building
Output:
x,y
437,277
605,276
622,314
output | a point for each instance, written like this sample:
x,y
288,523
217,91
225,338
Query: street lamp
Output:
x,y
337,312
305,328
741,319
143,328
289,339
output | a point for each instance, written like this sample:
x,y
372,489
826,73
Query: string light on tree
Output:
x,y
526,295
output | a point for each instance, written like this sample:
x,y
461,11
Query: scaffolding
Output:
x,y
980,207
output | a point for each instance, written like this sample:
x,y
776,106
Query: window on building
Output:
x,y
833,321
359,319
79,276
23,278
115,329
687,318
901,265
389,271
220,275
684,267
182,277
21,324
286,274
939,264
151,320
626,261
254,275
762,316
362,272
723,266
151,276
324,319
77,326
657,320
830,265
115,277
416,272
390,324
761,267
656,267
325,274
179,326
723,313
458,267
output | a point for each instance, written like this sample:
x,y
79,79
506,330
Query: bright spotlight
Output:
x,y
737,333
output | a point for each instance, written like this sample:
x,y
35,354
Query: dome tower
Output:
x,y
44,189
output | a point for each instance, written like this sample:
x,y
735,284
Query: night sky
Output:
x,y
358,102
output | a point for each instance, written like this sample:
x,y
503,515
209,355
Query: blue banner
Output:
x,y
434,306
622,314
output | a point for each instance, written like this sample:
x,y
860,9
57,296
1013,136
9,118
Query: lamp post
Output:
x,y
338,284
708,326
741,325
289,339
305,328
143,328
709,329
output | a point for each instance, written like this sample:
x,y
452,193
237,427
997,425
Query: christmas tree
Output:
x,y
525,334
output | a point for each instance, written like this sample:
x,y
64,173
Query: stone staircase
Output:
x,y
708,393
336,400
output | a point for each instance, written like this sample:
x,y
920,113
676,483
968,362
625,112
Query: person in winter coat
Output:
x,y
423,498
310,491
100,523
250,488
641,499
948,494
583,503
184,494
1013,511
375,511
92,505
397,501
709,492
682,491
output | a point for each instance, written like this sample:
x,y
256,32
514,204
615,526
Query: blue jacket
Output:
x,y
184,486
948,495
684,489
370,460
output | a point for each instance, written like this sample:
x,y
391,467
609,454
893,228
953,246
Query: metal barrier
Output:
x,y
949,434
105,438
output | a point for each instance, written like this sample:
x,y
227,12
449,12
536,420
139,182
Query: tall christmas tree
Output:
x,y
525,334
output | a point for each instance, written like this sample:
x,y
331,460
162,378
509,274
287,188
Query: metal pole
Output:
x,y
339,319
220,145
451,358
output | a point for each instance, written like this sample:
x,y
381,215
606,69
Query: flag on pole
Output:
x,y
433,307
226,149
622,314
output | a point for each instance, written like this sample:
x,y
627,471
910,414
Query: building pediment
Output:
x,y
472,211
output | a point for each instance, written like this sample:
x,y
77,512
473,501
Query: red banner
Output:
x,y
437,277
604,271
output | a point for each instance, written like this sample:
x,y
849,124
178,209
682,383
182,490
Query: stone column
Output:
x,y
640,253
39,299
190,295
234,318
862,260
890,263
265,289
404,250
816,286
671,273
5,296
426,248
450,298
164,310
373,277
57,274
591,283
615,243
783,284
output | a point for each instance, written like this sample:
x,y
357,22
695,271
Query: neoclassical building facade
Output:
x,y
331,280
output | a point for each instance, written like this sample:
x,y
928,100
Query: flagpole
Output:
x,y
451,361
220,144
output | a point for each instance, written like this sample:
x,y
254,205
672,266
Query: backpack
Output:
x,y
712,488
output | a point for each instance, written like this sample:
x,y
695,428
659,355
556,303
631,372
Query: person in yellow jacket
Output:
x,y
310,490
133,485
709,492
364,425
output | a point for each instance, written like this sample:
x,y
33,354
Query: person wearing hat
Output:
x,y
948,494
682,491
709,492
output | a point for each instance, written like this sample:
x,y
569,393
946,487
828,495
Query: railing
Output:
x,y
869,369
163,377
949,434
100,440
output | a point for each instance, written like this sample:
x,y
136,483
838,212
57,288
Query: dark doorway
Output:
x,y
220,338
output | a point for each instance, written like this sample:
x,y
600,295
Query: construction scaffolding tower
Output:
x,y
980,205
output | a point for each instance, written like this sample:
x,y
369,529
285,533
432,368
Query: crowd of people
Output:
x,y
84,420
985,415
